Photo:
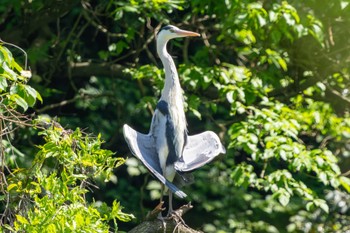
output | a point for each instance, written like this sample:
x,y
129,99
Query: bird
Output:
x,y
168,151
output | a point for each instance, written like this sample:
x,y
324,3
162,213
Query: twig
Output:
x,y
100,27
330,33
155,212
262,174
24,52
347,173
60,104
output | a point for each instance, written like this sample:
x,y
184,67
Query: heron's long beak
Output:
x,y
184,33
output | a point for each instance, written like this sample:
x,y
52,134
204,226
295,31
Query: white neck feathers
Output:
x,y
172,83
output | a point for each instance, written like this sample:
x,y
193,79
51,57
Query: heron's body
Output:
x,y
169,125
167,150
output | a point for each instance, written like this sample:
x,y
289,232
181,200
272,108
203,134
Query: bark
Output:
x,y
171,224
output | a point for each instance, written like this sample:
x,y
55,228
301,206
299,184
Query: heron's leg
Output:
x,y
161,200
161,193
170,210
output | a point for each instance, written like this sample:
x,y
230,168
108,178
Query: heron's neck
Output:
x,y
171,84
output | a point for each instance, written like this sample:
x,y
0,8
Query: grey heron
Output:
x,y
167,150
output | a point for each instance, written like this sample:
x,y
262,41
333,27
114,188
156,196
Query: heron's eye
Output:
x,y
171,30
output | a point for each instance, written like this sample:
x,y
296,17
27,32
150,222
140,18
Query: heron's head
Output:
x,y
170,32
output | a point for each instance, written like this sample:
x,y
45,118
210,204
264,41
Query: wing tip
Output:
x,y
180,194
125,129
223,149
175,189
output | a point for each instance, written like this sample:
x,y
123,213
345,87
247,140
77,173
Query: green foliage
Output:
x,y
50,195
271,77
13,88
54,188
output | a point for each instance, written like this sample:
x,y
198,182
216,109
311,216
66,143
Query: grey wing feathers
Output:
x,y
199,150
142,146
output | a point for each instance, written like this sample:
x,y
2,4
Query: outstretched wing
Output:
x,y
143,147
199,150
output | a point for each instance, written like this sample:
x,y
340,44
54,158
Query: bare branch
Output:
x,y
100,27
88,69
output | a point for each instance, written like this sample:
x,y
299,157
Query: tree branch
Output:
x,y
97,25
36,20
174,223
87,69
339,101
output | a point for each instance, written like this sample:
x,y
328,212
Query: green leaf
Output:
x,y
262,20
345,182
11,186
283,64
31,91
51,228
21,219
117,212
289,19
324,207
38,96
118,14
7,54
322,204
130,9
15,65
120,46
344,4
79,219
29,95
3,83
284,197
323,177
13,75
19,101
236,175
309,206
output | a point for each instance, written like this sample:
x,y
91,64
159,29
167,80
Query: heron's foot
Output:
x,y
176,215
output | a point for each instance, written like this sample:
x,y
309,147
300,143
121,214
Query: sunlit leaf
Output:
x,y
3,83
19,101
345,182
21,219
